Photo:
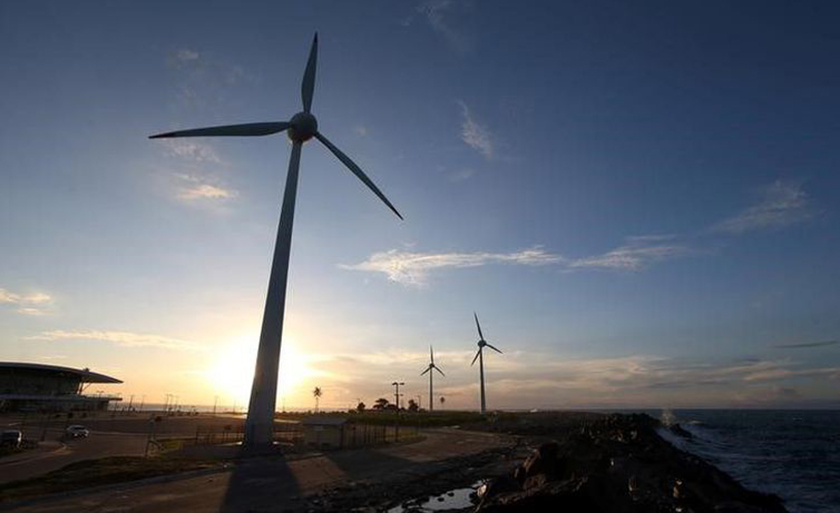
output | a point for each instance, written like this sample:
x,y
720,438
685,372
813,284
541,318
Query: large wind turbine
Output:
x,y
480,357
429,369
302,127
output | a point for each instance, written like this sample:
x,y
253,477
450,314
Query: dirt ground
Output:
x,y
372,478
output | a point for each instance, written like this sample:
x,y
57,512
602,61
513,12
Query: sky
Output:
x,y
640,201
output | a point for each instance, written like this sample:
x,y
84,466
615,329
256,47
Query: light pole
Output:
x,y
397,386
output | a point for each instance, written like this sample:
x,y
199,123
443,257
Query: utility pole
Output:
x,y
215,402
130,403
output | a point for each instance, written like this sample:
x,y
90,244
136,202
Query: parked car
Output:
x,y
11,438
77,431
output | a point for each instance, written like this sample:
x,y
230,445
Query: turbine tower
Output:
x,y
480,357
429,369
302,127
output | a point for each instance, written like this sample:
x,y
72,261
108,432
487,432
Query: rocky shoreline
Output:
x,y
618,463
566,462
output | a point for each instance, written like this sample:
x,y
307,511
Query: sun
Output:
x,y
231,372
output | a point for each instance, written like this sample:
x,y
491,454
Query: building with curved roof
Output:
x,y
40,387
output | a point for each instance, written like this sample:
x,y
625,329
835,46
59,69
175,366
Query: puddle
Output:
x,y
458,498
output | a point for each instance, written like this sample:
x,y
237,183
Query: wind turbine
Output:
x,y
480,357
302,127
429,369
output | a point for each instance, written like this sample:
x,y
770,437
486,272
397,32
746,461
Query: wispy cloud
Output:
x,y
34,303
412,268
805,345
120,338
205,191
462,174
475,136
448,18
193,151
779,205
632,257
185,55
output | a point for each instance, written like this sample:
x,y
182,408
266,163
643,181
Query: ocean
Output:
x,y
794,454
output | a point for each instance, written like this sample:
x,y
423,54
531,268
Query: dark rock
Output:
x,y
619,464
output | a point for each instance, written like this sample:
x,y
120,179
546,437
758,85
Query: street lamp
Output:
x,y
397,386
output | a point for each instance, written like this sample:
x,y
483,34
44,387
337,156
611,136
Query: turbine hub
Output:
x,y
481,343
304,126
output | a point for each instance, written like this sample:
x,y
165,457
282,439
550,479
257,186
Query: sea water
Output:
x,y
794,454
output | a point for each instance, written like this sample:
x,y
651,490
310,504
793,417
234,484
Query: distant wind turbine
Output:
x,y
480,357
429,369
302,127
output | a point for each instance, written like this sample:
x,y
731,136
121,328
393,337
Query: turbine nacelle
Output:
x,y
302,127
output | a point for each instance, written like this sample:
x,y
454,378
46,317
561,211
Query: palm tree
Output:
x,y
317,393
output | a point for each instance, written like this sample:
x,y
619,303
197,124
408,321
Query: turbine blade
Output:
x,y
441,372
425,371
432,354
477,325
356,171
307,87
476,357
247,129
494,349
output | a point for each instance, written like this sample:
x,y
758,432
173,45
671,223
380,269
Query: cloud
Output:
x,y
192,151
632,257
186,55
206,191
200,186
780,204
804,345
462,174
412,268
447,18
28,304
475,135
120,338
525,379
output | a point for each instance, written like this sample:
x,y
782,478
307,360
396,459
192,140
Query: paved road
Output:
x,y
54,455
271,484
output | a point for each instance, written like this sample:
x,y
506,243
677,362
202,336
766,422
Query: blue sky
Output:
x,y
639,201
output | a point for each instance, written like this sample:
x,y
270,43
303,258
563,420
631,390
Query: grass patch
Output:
x,y
90,473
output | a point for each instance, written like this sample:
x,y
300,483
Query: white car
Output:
x,y
11,438
77,431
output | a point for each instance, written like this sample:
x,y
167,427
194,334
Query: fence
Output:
x,y
348,435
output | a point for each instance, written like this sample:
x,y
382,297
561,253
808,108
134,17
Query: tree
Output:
x,y
361,407
381,404
442,400
412,406
317,393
